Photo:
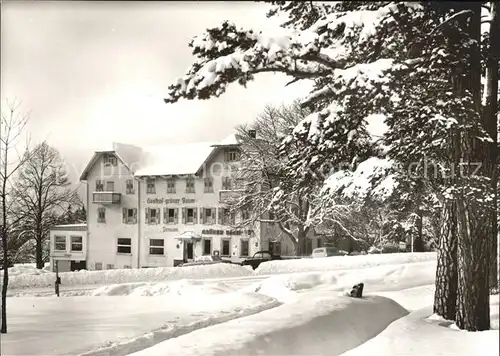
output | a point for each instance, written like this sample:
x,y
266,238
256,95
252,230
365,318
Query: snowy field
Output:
x,y
289,307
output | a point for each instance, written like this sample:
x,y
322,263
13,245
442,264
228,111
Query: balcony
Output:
x,y
106,198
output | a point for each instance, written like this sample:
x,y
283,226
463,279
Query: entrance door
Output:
x,y
188,252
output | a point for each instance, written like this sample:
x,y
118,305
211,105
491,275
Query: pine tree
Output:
x,y
412,63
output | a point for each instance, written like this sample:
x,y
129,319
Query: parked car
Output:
x,y
204,260
259,257
327,252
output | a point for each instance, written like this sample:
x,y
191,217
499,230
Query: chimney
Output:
x,y
252,133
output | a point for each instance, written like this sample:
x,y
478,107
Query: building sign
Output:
x,y
170,229
169,201
227,232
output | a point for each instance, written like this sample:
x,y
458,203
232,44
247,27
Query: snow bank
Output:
x,y
47,279
386,278
26,269
116,325
417,334
317,324
190,288
341,262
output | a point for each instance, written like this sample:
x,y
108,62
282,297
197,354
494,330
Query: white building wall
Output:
x,y
102,239
67,255
180,199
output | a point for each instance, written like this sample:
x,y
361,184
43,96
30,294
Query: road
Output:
x,y
82,290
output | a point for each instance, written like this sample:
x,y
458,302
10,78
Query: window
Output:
x,y
129,216
226,183
124,245
150,186
170,216
109,160
226,247
127,266
129,187
99,186
209,185
152,216
275,247
77,243
207,247
208,216
190,185
101,214
156,246
98,266
245,214
232,155
244,248
60,243
190,216
320,242
110,266
110,186
228,217
171,185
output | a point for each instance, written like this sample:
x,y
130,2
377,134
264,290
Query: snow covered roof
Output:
x,y
231,140
174,159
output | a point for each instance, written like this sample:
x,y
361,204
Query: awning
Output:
x,y
188,235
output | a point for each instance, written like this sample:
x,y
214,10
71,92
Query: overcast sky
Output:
x,y
96,72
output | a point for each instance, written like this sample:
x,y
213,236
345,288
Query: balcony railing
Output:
x,y
107,198
227,196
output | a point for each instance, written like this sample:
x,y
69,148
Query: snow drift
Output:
x,y
129,275
417,334
341,262
318,324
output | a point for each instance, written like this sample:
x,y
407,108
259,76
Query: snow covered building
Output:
x,y
157,206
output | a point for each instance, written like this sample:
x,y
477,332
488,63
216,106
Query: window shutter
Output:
x,y
165,215
158,216
220,219
183,215
124,215
212,213
147,215
176,215
203,216
196,217
135,216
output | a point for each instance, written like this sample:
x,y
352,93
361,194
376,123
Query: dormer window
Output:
x,y
232,155
109,160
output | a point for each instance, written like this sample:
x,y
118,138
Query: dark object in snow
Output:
x,y
357,290
260,257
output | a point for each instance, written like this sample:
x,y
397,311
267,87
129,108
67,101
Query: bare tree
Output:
x,y
42,194
269,195
12,125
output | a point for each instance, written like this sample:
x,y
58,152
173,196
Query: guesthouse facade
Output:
x,y
159,206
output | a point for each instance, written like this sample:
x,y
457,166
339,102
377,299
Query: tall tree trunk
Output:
x,y
301,241
418,243
40,263
491,125
445,296
474,223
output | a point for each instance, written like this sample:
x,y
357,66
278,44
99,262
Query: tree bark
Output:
x,y
418,243
491,125
301,241
40,263
474,223
445,296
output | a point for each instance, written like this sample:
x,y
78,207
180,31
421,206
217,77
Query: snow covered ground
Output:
x,y
117,325
301,304
28,277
